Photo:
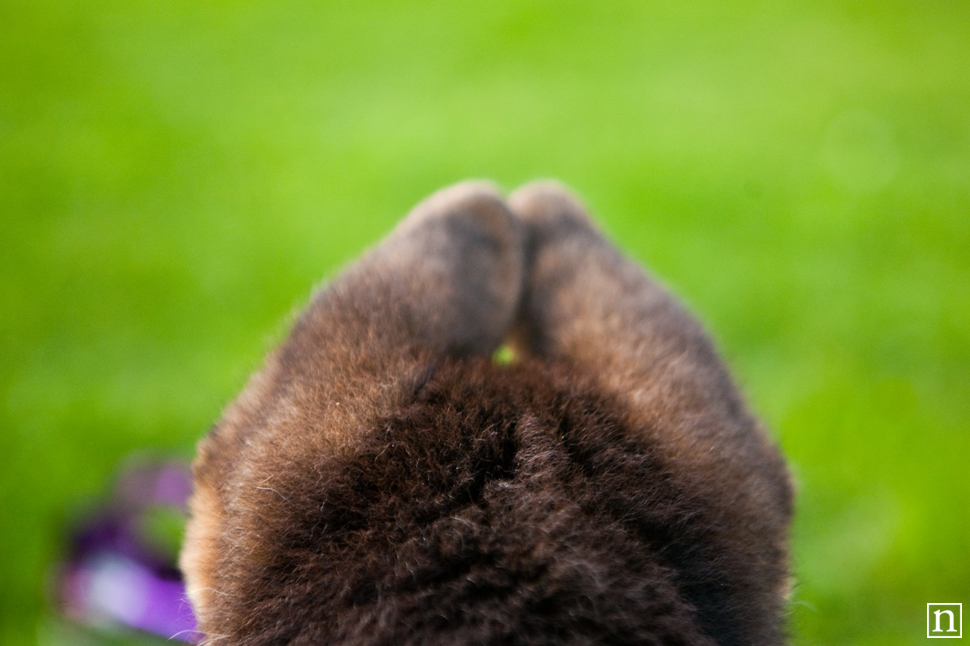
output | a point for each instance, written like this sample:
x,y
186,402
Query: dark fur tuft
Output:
x,y
501,505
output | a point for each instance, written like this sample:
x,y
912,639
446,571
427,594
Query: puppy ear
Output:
x,y
588,306
447,280
584,303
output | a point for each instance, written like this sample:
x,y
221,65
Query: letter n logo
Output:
x,y
944,620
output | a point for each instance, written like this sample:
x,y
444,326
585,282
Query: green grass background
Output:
x,y
175,177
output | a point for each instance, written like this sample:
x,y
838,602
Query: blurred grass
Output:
x,y
175,177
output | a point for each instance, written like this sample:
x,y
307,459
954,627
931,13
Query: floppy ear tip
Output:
x,y
546,202
482,197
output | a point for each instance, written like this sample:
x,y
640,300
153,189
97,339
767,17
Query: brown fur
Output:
x,y
381,481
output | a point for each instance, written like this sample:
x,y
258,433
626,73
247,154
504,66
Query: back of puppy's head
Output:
x,y
382,481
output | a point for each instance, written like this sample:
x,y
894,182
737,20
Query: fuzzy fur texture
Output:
x,y
382,481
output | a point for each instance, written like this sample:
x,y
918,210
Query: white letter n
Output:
x,y
944,612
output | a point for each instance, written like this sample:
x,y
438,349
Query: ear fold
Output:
x,y
446,280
